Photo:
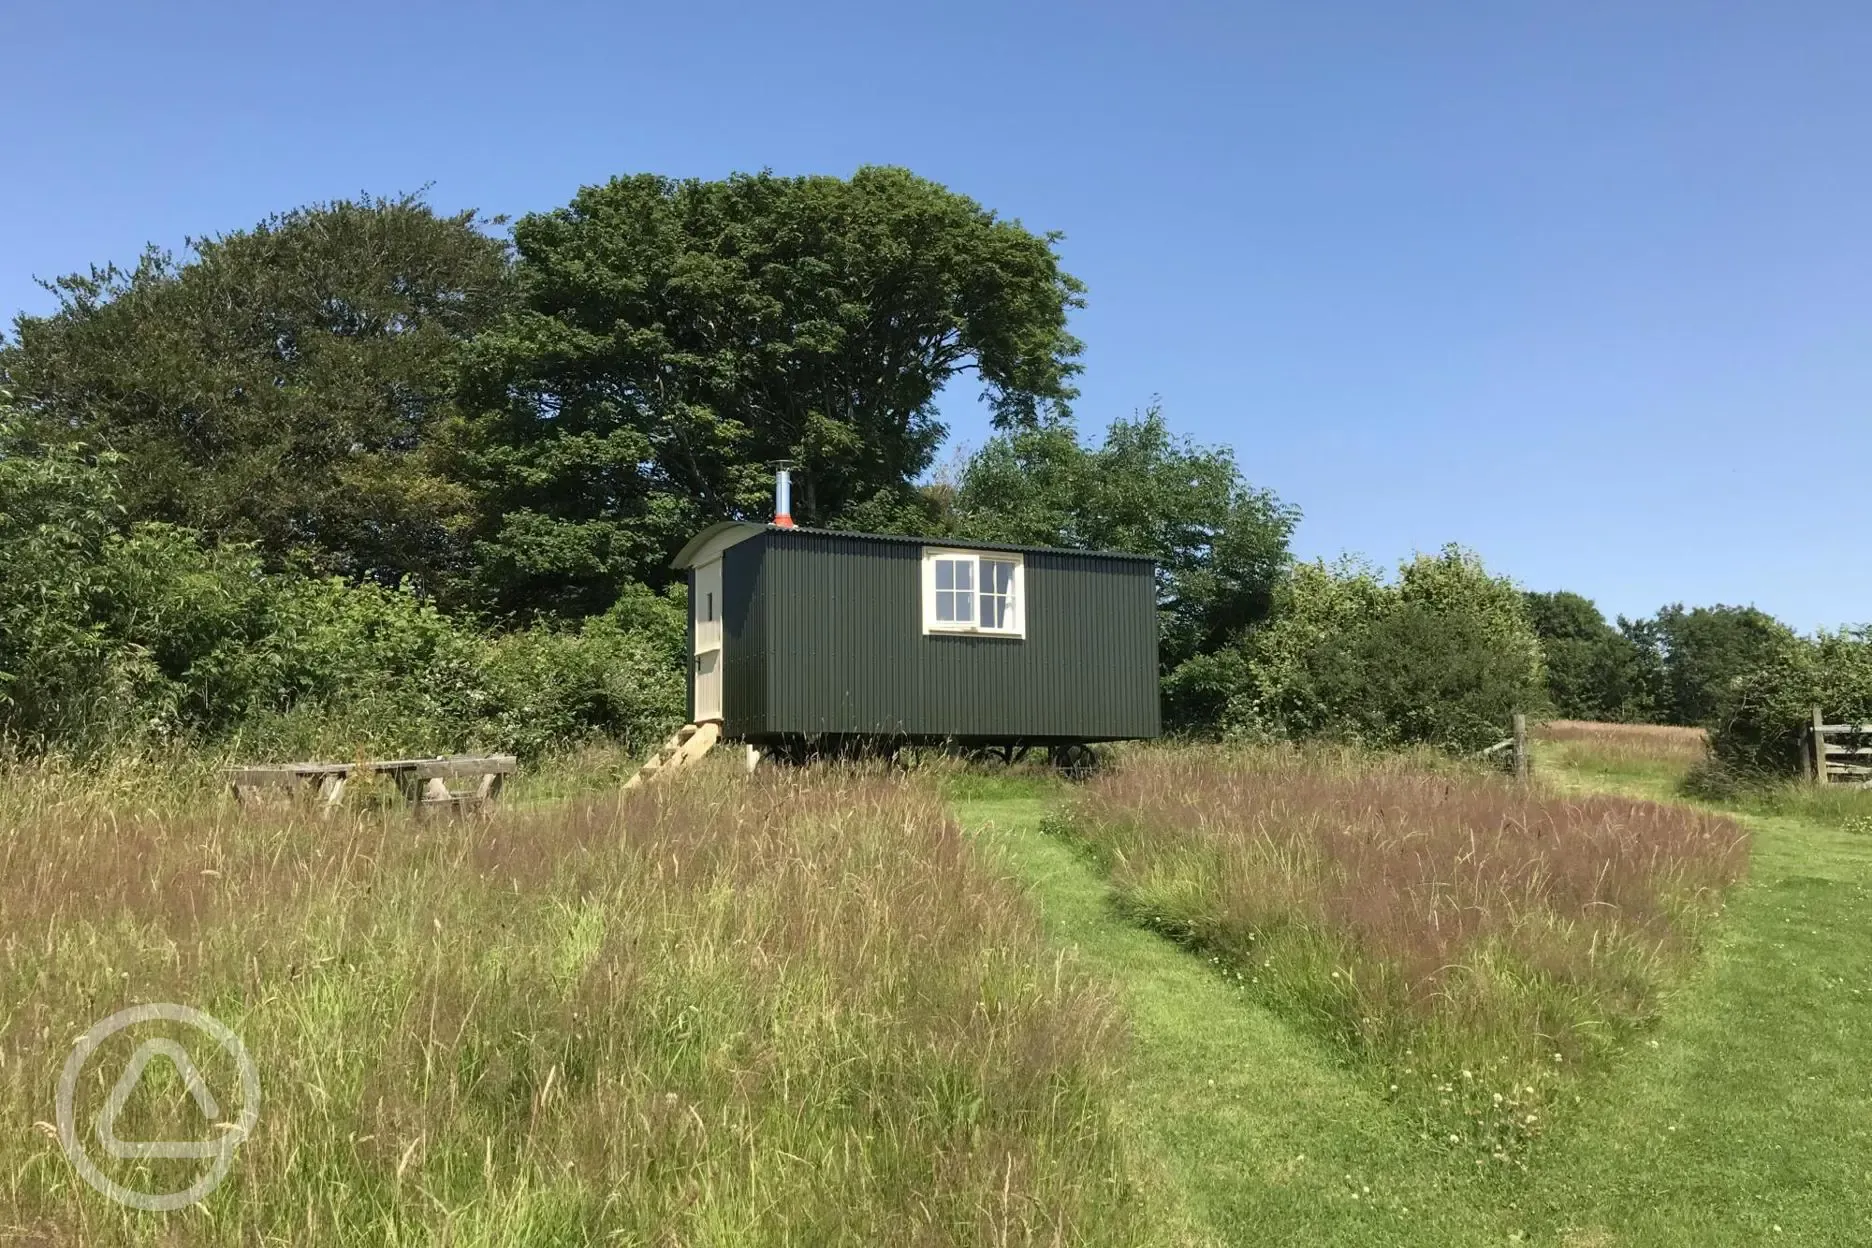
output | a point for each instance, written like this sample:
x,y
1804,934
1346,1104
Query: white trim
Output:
x,y
1016,627
706,619
708,686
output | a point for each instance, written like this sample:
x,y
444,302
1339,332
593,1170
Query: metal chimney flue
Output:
x,y
783,498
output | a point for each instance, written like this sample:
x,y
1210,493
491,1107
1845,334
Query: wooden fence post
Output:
x,y
1521,760
1818,745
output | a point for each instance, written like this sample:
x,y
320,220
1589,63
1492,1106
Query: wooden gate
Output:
x,y
1838,753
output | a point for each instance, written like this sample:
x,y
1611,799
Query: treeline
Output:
x,y
372,476
1672,668
1747,677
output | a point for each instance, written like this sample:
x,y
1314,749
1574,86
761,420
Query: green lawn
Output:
x,y
1745,1118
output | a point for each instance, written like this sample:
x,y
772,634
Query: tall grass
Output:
x,y
1661,741
1664,752
1473,941
1844,806
729,1012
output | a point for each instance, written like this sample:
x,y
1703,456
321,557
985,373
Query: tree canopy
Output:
x,y
677,337
1705,649
1220,543
1674,667
281,385
1594,669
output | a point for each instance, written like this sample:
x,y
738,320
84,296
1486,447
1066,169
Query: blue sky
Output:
x,y
1585,287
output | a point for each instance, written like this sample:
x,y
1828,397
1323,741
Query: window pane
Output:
x,y
965,605
945,574
965,573
945,606
997,593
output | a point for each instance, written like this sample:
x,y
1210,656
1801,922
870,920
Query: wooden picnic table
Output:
x,y
424,781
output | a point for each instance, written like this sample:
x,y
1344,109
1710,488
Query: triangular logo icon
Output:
x,y
197,1087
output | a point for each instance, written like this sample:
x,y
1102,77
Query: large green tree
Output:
x,y
1220,543
678,336
1705,649
1594,670
283,385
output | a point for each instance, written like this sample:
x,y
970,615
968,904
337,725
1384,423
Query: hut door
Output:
x,y
706,610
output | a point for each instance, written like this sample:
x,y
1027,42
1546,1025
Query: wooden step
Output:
x,y
689,743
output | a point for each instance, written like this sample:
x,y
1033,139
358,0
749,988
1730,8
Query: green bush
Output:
x,y
1763,713
1198,692
107,633
1441,656
546,689
144,637
349,668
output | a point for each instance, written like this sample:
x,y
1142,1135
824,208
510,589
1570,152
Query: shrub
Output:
x,y
1443,656
1763,713
547,689
107,633
145,637
343,668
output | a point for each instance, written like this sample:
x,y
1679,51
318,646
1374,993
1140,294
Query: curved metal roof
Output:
x,y
735,531
686,557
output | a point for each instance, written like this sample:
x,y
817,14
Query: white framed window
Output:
x,y
973,591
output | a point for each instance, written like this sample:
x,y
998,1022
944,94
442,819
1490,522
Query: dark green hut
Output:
x,y
812,639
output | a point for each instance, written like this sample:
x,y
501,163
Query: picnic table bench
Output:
x,y
424,781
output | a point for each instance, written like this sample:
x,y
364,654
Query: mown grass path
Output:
x,y
1749,1120
1259,1137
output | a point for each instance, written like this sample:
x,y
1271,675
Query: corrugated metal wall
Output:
x,y
846,653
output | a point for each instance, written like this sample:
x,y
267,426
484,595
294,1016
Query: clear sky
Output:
x,y
1586,287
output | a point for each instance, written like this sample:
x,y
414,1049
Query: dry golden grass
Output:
x,y
1648,742
796,1010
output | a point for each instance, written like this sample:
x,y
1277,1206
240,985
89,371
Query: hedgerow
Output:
x,y
144,636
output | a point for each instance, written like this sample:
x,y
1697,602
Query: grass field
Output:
x,y
724,1013
1478,945
852,1008
1743,1114
1659,753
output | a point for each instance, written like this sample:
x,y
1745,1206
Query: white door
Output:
x,y
706,608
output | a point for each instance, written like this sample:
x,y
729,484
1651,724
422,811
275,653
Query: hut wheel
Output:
x,y
1076,761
